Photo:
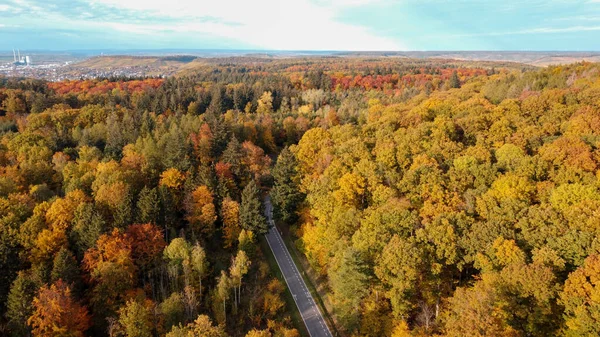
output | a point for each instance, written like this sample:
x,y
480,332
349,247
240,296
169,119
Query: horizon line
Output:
x,y
308,50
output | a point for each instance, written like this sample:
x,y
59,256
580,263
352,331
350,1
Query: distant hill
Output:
x,y
535,58
150,65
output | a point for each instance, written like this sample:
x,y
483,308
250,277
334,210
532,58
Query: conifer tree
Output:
x,y
19,304
148,206
251,210
65,268
454,80
233,155
285,194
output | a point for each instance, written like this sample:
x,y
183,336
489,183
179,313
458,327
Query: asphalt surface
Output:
x,y
315,324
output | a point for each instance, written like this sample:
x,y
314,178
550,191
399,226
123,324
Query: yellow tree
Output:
x,y
265,103
201,327
581,298
230,214
239,268
201,212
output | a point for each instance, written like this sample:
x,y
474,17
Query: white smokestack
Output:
x,y
14,55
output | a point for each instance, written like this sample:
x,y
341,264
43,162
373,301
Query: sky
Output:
x,y
344,25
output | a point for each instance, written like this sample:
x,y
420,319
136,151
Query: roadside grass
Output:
x,y
309,283
289,300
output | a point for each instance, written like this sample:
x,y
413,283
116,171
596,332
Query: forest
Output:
x,y
429,197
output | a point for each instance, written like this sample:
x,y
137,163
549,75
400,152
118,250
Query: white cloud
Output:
x,y
270,24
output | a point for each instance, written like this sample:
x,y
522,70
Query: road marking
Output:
x,y
273,231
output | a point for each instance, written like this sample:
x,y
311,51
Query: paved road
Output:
x,y
315,324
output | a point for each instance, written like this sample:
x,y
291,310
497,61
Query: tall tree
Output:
x,y
199,264
454,81
251,210
148,206
65,268
349,281
222,293
201,211
88,225
286,195
239,267
19,305
233,155
230,215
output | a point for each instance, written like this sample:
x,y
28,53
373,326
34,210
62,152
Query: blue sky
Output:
x,y
301,24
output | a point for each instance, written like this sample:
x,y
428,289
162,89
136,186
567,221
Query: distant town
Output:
x,y
74,65
60,67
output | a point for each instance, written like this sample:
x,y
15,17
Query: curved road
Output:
x,y
315,324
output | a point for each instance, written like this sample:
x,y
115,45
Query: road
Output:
x,y
312,317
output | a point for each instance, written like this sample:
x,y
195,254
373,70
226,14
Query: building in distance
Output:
x,y
21,60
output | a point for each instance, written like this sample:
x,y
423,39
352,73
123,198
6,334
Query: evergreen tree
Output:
x,y
233,155
348,281
122,215
20,303
219,130
65,268
251,210
454,80
88,225
114,136
148,206
285,194
175,148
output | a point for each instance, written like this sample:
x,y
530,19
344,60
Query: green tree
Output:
x,y
286,195
199,263
136,319
88,225
239,268
178,255
19,303
399,269
251,210
114,136
233,155
222,295
173,310
349,282
65,267
148,206
454,81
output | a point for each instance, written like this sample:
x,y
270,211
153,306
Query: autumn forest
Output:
x,y
424,197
